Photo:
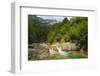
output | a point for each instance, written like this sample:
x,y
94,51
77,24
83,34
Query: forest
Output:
x,y
52,39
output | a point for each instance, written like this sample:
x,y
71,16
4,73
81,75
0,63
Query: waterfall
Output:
x,y
62,52
59,51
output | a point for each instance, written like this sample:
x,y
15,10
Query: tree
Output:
x,y
79,31
60,34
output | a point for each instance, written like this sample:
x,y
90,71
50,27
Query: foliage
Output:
x,y
37,29
61,33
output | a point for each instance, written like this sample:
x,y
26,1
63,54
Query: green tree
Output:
x,y
60,34
79,31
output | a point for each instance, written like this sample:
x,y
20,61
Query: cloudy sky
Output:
x,y
58,18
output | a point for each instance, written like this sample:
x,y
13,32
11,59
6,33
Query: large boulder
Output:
x,y
42,54
39,51
68,46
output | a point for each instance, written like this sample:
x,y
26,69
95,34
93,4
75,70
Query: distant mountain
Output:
x,y
44,21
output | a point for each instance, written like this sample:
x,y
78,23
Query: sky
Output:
x,y
57,18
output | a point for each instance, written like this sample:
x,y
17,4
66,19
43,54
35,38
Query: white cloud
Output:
x,y
58,18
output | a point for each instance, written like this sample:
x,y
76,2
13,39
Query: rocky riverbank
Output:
x,y
39,51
